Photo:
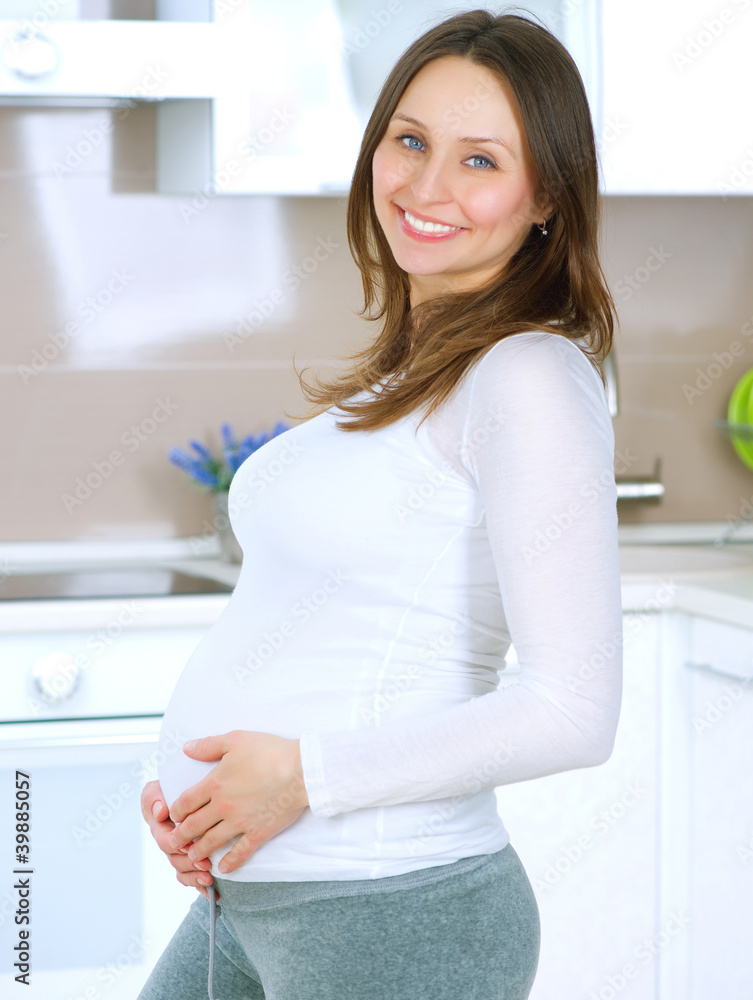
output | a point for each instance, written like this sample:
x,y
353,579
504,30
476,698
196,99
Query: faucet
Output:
x,y
640,487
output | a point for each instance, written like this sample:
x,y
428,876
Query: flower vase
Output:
x,y
229,548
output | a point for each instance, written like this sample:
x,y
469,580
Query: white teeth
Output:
x,y
429,227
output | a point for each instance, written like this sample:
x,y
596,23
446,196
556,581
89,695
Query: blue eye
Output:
x,y
411,139
485,161
412,142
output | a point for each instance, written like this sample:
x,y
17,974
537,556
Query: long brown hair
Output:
x,y
553,283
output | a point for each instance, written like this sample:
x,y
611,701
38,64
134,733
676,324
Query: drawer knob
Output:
x,y
55,676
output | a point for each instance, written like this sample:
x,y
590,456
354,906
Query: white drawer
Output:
x,y
722,648
116,658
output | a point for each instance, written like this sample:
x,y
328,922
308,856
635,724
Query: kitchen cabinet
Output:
x,y
298,128
670,126
719,679
181,60
252,98
589,840
99,60
105,900
256,98
674,76
643,867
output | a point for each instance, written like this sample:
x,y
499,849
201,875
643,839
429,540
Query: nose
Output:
x,y
431,183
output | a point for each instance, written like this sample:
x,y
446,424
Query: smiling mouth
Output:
x,y
427,228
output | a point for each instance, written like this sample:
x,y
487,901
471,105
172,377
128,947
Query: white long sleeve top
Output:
x,y
385,575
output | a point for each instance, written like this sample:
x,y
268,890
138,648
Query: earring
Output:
x,y
542,228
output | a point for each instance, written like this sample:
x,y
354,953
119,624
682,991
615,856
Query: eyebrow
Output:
x,y
465,138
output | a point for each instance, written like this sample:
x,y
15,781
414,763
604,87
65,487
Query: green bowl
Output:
x,y
740,411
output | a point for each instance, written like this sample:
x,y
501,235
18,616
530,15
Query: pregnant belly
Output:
x,y
322,679
212,697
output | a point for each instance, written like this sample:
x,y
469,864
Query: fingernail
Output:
x,y
222,867
156,808
173,842
190,745
192,854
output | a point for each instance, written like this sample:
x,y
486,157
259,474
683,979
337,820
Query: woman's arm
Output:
x,y
546,477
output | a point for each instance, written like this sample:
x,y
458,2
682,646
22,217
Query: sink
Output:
x,y
686,561
110,581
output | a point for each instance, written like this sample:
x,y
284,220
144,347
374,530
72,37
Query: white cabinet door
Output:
x,y
676,86
721,811
97,927
588,841
293,122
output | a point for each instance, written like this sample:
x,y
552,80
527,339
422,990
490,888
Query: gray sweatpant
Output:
x,y
463,931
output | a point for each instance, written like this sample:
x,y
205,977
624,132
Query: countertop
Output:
x,y
664,567
663,578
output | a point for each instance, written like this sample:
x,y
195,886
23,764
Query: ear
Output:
x,y
546,206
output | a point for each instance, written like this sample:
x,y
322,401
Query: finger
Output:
x,y
150,793
216,837
193,798
160,812
208,748
241,851
205,892
195,880
193,883
162,833
195,826
184,865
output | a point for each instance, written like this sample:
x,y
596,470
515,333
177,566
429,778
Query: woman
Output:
x,y
454,493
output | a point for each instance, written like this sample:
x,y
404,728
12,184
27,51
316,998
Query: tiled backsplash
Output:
x,y
680,270
135,321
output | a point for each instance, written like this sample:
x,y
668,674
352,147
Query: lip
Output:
x,y
425,237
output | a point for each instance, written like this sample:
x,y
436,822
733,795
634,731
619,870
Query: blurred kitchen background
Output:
x,y
144,302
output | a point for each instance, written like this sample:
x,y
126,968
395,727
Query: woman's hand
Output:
x,y
254,793
155,811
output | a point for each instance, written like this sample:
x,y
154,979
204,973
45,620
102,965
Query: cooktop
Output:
x,y
125,581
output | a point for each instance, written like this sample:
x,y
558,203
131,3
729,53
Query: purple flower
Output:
x,y
217,473
201,450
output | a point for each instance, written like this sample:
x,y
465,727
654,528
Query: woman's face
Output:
x,y
453,191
